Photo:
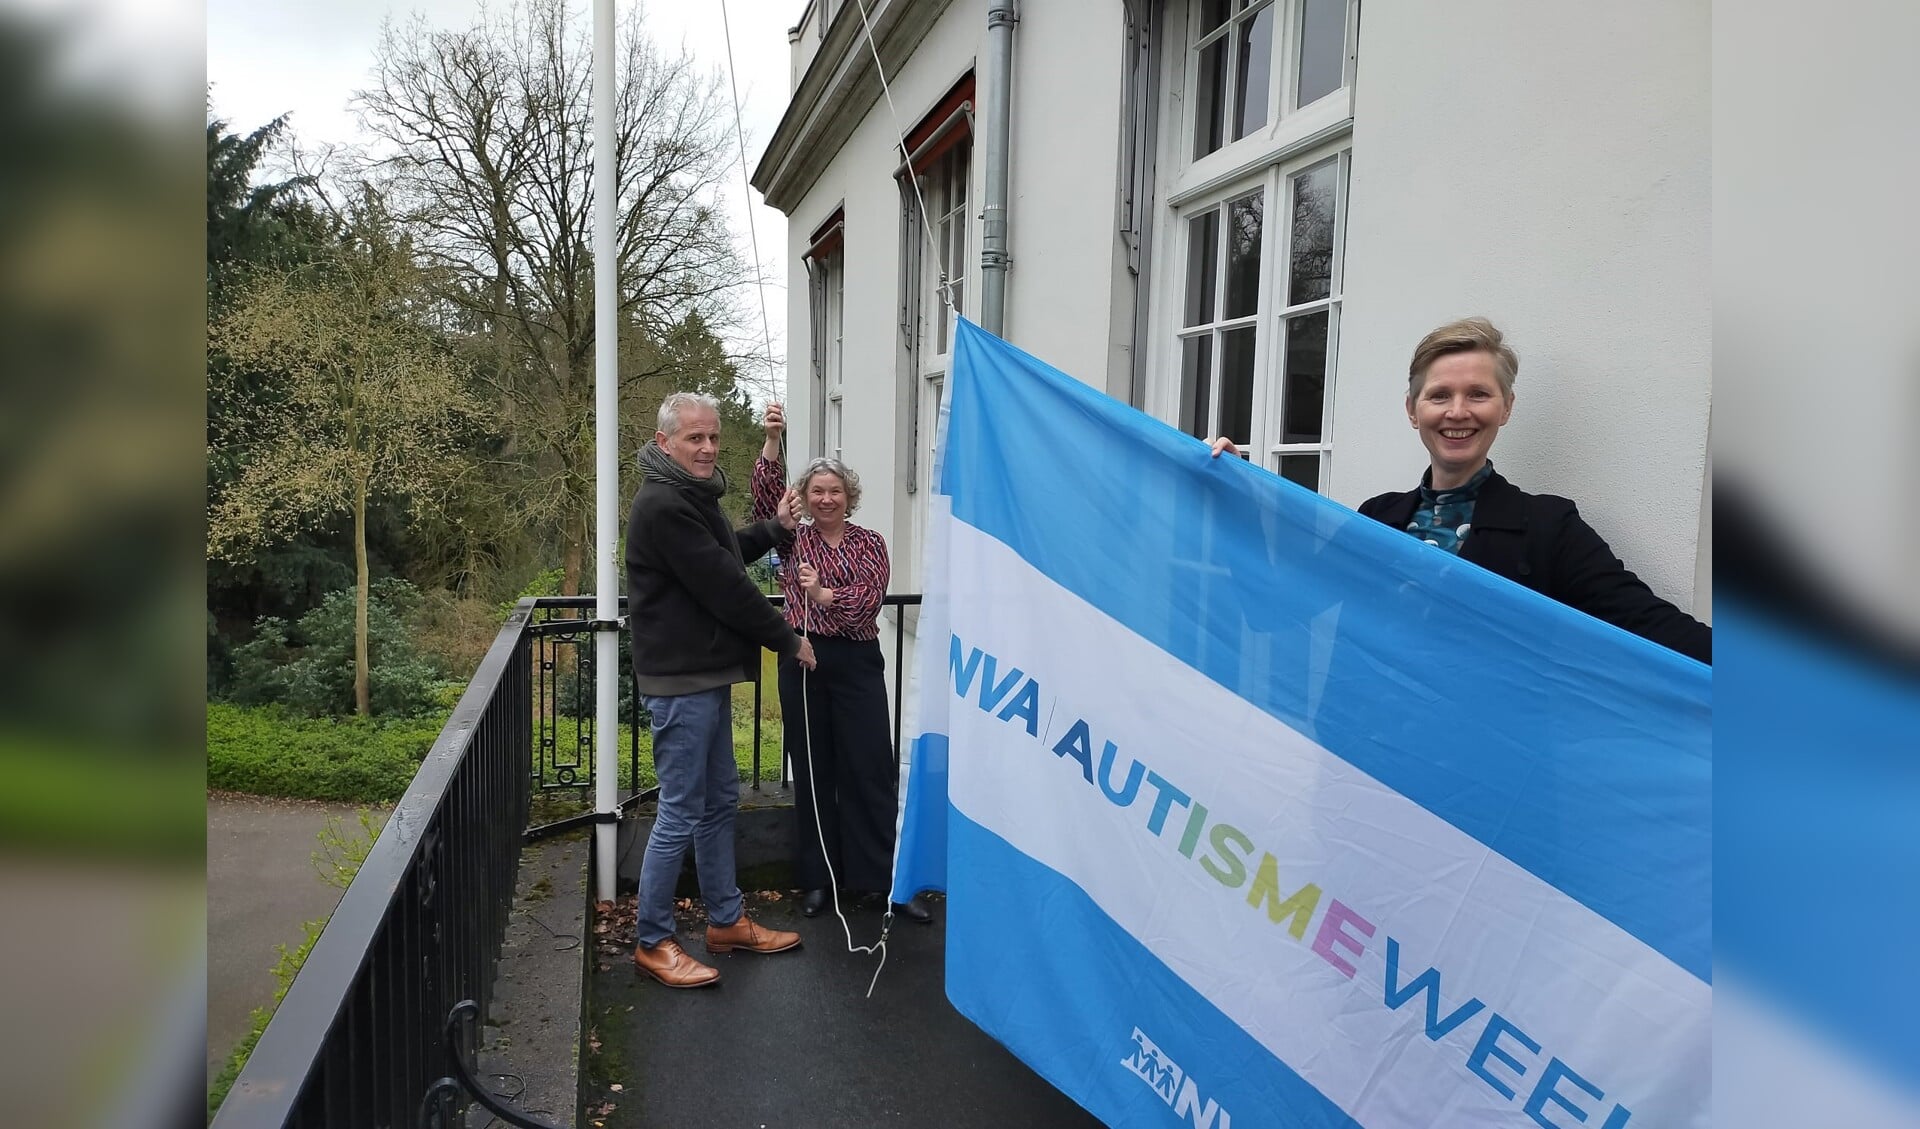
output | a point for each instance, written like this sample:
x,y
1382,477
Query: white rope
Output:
x,y
806,613
746,185
945,290
944,287
820,833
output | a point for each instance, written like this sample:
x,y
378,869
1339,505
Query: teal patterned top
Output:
x,y
1445,516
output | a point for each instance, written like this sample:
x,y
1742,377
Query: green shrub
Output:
x,y
268,752
546,583
341,851
308,667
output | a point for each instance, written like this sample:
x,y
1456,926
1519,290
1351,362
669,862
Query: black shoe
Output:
x,y
914,911
813,903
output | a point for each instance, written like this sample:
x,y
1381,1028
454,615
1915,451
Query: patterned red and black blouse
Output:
x,y
857,569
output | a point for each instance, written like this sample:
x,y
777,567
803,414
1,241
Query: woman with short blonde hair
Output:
x,y
1459,395
839,734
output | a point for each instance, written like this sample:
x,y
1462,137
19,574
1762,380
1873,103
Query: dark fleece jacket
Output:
x,y
697,620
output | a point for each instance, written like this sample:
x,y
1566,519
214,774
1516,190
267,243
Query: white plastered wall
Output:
x,y
1066,301
1062,292
1067,284
1546,165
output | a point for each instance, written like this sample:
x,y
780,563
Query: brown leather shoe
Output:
x,y
668,963
748,934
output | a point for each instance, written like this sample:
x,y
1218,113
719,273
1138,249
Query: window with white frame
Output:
x,y
945,190
942,289
826,271
1306,314
935,182
833,439
1256,183
1233,72
1235,89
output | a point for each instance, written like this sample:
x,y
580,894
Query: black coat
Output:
x,y
690,604
1541,541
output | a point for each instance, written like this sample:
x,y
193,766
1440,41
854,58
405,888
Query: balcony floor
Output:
x,y
790,1040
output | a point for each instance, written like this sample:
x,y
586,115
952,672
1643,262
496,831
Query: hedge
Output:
x,y
264,751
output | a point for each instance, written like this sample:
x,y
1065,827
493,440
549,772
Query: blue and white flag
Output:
x,y
1252,811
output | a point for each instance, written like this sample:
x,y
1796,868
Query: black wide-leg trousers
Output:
x,y
851,772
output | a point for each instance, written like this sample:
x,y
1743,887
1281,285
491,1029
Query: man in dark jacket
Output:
x,y
1459,396
698,626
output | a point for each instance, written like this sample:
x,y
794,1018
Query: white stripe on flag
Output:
x,y
1624,1017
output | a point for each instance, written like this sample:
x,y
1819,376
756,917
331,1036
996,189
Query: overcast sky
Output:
x,y
266,59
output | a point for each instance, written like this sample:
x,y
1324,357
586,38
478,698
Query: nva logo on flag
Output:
x,y
1175,1087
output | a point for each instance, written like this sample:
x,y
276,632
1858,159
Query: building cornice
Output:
x,y
833,97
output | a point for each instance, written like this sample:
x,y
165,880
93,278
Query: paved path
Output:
x,y
261,889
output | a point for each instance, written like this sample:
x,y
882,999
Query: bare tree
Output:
x,y
485,139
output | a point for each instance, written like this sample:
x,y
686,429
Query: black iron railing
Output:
x,y
362,1035
562,639
378,1028
561,636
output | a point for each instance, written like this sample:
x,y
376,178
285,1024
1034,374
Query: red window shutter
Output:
x,y
961,134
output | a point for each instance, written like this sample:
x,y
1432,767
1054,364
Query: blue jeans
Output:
x,y
699,793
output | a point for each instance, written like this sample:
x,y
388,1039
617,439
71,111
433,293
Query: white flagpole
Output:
x,y
606,439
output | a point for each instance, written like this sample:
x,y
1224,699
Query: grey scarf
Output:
x,y
658,466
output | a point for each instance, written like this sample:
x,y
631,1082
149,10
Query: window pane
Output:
x,y
956,249
930,434
1255,79
1196,375
1304,391
1203,234
940,317
1310,271
1213,13
949,203
1323,48
836,317
1243,256
1210,101
1304,469
1236,384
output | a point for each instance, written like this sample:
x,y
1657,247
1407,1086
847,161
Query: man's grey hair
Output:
x,y
848,480
678,404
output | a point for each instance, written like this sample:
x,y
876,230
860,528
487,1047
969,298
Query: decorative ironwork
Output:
x,y
458,1023
439,1107
562,636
